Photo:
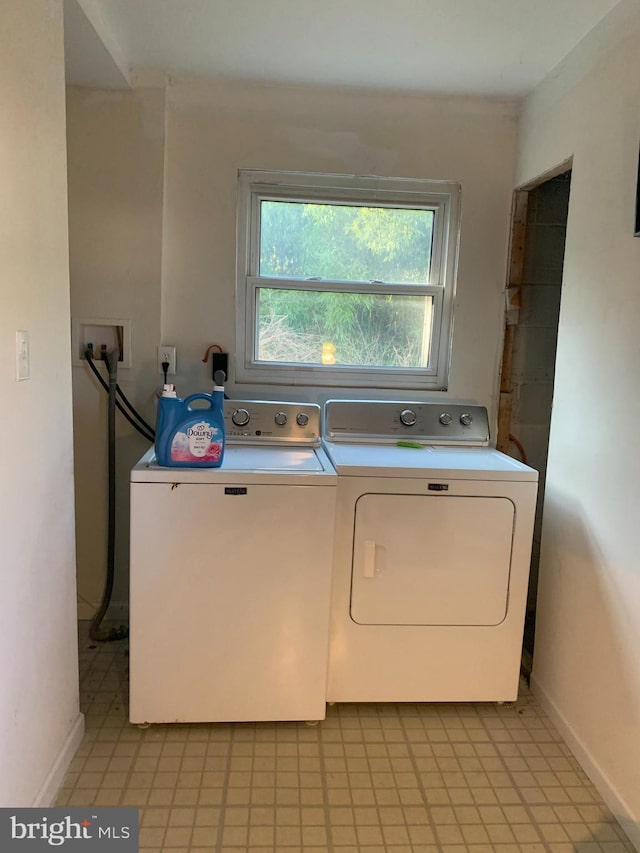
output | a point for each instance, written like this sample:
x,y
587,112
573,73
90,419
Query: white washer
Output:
x,y
431,559
231,575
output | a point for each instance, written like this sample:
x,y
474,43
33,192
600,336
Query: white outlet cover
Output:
x,y
167,353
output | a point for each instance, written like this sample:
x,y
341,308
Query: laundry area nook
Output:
x,y
326,543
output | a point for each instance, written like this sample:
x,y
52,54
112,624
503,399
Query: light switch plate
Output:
x,y
23,361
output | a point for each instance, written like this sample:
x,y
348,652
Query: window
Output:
x,y
345,281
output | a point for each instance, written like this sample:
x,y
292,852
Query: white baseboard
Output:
x,y
48,792
589,764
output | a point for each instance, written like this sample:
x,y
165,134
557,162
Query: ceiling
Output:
x,y
499,48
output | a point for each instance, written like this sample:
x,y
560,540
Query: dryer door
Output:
x,y
431,560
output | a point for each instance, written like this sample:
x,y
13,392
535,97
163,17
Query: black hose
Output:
x,y
94,632
131,409
150,436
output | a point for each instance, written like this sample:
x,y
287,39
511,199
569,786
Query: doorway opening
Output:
x,y
528,366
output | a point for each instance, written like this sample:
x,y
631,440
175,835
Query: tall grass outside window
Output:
x,y
345,281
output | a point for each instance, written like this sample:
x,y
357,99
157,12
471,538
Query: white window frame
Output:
x,y
442,197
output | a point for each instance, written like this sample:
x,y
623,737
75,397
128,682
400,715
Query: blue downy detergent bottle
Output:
x,y
189,437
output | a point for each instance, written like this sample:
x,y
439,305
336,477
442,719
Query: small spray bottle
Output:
x,y
168,405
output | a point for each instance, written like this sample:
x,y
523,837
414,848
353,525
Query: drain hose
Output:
x,y
95,633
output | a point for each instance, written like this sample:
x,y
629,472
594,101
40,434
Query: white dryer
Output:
x,y
431,555
231,575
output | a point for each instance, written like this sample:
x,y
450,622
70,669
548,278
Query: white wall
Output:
x,y
116,161
215,128
118,199
39,719
587,662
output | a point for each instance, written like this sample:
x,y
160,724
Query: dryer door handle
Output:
x,y
369,559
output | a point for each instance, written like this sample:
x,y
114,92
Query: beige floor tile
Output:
x,y
369,779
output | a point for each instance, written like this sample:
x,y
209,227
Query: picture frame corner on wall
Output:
x,y
636,232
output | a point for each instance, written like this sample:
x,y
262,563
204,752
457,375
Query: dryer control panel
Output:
x,y
269,422
425,423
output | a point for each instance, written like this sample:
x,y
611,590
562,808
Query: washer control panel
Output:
x,y
269,422
385,421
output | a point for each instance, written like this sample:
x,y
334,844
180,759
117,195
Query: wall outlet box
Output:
x,y
167,354
113,334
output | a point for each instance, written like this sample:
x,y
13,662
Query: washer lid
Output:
x,y
461,463
242,464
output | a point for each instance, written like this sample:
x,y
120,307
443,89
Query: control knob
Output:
x,y
408,417
466,419
445,419
302,419
240,417
280,418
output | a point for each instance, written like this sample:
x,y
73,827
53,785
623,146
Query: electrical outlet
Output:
x,y
167,354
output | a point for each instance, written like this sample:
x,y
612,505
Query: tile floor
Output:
x,y
369,779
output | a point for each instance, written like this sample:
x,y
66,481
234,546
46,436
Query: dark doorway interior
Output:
x,y
534,348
